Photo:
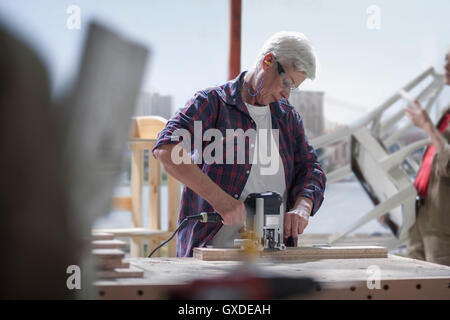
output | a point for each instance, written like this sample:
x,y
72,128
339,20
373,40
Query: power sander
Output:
x,y
263,226
264,222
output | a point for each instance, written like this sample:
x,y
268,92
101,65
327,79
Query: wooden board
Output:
x,y
154,183
401,278
122,203
109,259
108,253
147,127
173,209
137,181
302,253
120,273
111,264
176,271
102,236
108,244
137,232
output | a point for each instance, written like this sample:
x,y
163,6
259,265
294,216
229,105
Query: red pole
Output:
x,y
234,57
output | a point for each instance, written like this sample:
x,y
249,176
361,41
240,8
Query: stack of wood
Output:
x,y
109,258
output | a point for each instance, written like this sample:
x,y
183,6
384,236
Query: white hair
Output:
x,y
291,48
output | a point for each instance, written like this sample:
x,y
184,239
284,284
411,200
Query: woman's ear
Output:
x,y
267,61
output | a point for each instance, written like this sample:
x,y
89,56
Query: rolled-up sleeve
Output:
x,y
201,108
309,178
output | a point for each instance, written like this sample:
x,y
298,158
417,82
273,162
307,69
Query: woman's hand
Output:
x,y
419,116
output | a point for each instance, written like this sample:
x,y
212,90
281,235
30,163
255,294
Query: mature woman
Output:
x,y
256,100
430,236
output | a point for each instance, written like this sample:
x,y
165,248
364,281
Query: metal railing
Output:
x,y
370,138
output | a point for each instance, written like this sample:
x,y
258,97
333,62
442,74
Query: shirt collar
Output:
x,y
230,93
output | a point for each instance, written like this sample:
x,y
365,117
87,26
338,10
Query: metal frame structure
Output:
x,y
380,171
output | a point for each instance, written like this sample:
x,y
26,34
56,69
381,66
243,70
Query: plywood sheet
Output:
x,y
302,253
111,264
108,244
108,254
102,236
120,273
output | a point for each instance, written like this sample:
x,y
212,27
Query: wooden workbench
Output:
x,y
401,278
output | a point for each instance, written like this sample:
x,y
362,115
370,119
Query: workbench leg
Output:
x,y
136,248
174,207
173,190
154,182
137,177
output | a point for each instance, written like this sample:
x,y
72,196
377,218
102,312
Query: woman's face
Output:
x,y
276,83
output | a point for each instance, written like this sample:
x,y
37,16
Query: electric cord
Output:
x,y
203,217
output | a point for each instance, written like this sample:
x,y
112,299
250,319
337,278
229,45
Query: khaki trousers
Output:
x,y
426,243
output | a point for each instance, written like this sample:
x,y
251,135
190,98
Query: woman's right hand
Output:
x,y
231,210
419,116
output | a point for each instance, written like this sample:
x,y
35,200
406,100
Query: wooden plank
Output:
x,y
136,247
136,185
108,244
302,253
173,208
173,189
359,239
339,278
122,203
215,254
181,270
138,232
108,253
393,289
143,145
111,264
109,258
120,273
327,253
147,127
102,236
154,182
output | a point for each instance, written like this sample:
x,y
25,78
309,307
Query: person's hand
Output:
x,y
421,119
231,210
295,221
419,116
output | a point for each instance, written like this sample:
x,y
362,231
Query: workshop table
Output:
x,y
400,278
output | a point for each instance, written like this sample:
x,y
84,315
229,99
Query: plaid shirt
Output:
x,y
222,108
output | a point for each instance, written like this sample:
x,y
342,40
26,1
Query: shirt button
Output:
x,y
236,196
248,171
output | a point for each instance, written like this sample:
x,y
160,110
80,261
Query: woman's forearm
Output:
x,y
190,175
436,139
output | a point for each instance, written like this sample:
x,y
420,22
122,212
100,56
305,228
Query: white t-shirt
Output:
x,y
266,174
